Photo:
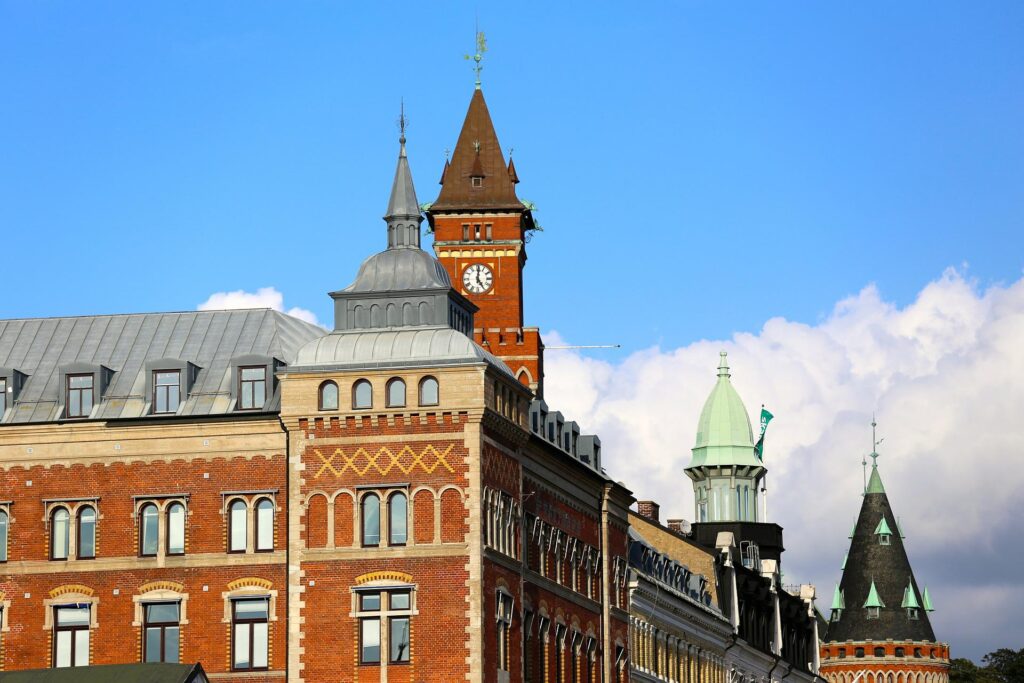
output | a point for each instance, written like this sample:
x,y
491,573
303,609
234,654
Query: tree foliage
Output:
x,y
1002,666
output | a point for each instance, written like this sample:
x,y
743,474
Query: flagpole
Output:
x,y
764,496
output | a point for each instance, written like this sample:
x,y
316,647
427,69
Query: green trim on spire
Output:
x,y
874,600
910,597
875,482
845,558
927,599
899,528
838,599
883,528
853,530
724,435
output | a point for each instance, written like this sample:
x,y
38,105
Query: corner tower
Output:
x,y
480,232
725,470
879,623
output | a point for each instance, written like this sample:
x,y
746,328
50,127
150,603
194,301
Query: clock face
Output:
x,y
477,278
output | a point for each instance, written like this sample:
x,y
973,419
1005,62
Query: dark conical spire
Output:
x,y
880,594
403,216
477,177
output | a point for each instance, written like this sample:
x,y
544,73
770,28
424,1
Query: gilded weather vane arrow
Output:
x,y
478,58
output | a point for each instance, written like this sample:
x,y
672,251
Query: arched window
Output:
x,y
86,533
176,529
362,394
3,535
328,396
264,525
398,519
429,394
149,530
60,534
371,520
396,393
237,531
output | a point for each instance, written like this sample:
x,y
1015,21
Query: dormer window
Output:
x,y
883,532
873,612
912,613
3,395
166,391
477,181
837,614
80,396
252,387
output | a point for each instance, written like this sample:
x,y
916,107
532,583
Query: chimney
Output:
x,y
648,509
680,526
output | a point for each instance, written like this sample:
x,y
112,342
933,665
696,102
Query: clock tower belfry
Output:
x,y
480,229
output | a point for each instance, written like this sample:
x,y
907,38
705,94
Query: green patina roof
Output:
x,y
883,528
899,528
909,597
838,599
853,529
845,558
927,599
874,600
875,482
724,436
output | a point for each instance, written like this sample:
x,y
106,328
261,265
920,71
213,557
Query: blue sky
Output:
x,y
697,168
790,181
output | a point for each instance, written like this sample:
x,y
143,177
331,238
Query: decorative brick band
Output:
x,y
397,577
162,586
71,588
250,582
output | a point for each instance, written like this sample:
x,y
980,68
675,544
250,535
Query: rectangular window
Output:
x,y
392,609
71,636
369,640
490,231
79,395
398,636
465,232
161,633
3,395
166,391
252,388
559,653
250,634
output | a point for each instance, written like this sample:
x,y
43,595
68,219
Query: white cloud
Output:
x,y
945,376
264,297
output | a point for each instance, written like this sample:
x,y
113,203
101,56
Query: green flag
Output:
x,y
766,417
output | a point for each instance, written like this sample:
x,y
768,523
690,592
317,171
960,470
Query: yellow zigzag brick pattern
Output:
x,y
383,461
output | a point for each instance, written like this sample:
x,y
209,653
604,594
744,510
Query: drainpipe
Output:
x,y
288,544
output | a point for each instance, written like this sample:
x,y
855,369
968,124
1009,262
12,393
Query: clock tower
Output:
x,y
480,229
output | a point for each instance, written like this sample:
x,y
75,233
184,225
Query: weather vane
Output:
x,y
402,122
481,48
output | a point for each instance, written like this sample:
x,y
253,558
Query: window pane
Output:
x,y
150,524
74,403
161,400
399,639
398,518
253,373
86,408
237,522
428,392
400,600
82,647
265,525
162,612
80,381
370,641
241,657
3,396
329,396
369,602
251,609
72,616
87,533
171,647
260,636
60,534
396,393
152,644
173,398
62,653
363,394
371,520
259,392
3,536
176,529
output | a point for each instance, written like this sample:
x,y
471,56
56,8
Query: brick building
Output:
x,y
879,630
390,501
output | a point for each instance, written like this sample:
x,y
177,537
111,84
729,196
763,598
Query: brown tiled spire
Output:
x,y
512,175
477,177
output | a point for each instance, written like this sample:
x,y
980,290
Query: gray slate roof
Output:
x,y
402,347
39,347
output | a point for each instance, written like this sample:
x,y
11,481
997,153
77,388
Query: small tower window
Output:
x,y
873,612
837,614
912,613
362,394
328,396
879,651
900,652
859,652
883,539
477,181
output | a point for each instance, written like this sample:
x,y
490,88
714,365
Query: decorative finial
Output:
x,y
510,150
402,123
723,364
446,153
481,48
874,443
